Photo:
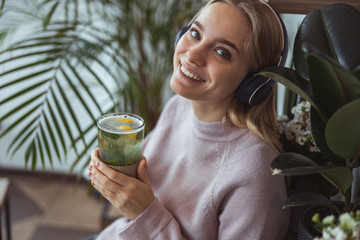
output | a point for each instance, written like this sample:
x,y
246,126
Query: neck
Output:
x,y
209,112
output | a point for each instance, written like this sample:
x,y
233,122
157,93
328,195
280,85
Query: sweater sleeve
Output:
x,y
154,223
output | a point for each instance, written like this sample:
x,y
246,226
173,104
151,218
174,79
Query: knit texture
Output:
x,y
211,181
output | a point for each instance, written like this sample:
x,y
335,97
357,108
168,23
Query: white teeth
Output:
x,y
190,75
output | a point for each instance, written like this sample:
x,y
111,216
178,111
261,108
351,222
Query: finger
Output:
x,y
98,178
114,175
94,155
106,189
142,171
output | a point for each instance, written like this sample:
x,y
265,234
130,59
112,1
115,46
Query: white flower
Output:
x,y
314,149
292,129
338,233
300,109
281,121
308,124
298,130
328,220
346,229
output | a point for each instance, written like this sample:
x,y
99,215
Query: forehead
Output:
x,y
225,21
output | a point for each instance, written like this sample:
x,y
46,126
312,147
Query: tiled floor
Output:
x,y
53,206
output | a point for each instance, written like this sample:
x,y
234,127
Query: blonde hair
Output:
x,y
262,48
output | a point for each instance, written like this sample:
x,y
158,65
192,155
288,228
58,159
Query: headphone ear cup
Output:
x,y
180,34
254,89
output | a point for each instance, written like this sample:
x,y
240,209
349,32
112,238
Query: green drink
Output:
x,y
120,137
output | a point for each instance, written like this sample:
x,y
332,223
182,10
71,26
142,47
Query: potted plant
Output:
x,y
65,63
327,75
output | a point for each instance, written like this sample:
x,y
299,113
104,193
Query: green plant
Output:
x,y
327,74
80,60
347,227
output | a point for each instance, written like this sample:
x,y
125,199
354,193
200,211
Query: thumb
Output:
x,y
142,171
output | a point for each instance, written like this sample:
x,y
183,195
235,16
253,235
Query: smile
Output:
x,y
191,75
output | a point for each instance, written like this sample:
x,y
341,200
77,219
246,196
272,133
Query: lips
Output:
x,y
191,74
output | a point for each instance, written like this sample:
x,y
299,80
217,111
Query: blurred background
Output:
x,y
62,65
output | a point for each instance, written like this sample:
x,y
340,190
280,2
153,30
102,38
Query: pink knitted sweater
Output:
x,y
210,181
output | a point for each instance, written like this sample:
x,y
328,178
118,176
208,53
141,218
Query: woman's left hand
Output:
x,y
131,196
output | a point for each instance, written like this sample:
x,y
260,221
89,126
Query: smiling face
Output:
x,y
209,61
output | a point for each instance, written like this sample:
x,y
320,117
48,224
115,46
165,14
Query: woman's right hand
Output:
x,y
131,196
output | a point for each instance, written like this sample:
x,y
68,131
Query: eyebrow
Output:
x,y
221,40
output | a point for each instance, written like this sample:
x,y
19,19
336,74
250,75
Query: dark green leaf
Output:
x,y
84,87
290,79
53,141
2,6
21,119
26,78
22,92
50,14
46,144
343,130
23,136
58,132
340,177
309,198
325,84
86,150
64,121
29,152
34,157
318,132
334,31
331,83
79,96
70,111
294,164
21,106
39,145
288,163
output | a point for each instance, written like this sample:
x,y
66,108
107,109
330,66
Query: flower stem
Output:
x,y
347,200
355,159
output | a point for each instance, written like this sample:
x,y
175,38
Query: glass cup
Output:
x,y
120,137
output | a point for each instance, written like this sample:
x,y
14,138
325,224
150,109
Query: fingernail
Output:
x,y
90,167
97,164
89,174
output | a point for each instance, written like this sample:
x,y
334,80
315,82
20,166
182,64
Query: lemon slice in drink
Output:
x,y
127,127
124,127
124,120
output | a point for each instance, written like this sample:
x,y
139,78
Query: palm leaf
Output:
x,y
55,64
75,61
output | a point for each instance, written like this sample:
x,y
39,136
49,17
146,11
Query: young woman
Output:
x,y
207,169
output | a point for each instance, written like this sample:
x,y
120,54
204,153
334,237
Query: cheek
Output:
x,y
228,83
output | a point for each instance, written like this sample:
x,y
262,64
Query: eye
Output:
x,y
224,53
195,34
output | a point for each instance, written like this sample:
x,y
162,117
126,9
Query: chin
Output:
x,y
178,89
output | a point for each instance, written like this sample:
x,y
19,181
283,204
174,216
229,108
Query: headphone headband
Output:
x,y
254,89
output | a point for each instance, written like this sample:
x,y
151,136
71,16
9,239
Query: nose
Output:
x,y
197,54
